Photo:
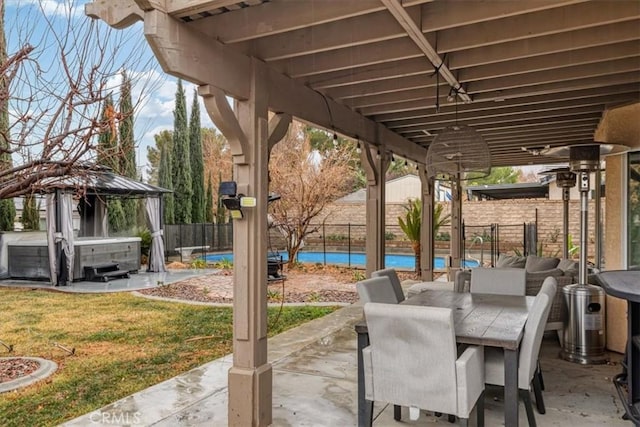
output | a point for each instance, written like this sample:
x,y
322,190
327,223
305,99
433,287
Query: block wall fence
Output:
x,y
509,214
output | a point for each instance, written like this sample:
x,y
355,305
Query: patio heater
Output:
x,y
566,180
584,323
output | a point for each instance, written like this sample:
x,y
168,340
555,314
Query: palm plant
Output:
x,y
412,222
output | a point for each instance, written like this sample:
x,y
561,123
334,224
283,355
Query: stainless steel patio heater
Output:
x,y
566,180
584,323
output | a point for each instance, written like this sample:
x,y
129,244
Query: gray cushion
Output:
x,y
569,266
511,261
541,275
536,263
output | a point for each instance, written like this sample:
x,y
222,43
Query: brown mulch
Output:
x,y
11,369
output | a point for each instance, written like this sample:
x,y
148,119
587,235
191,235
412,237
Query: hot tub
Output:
x,y
29,259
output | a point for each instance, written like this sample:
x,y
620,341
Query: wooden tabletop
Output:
x,y
480,319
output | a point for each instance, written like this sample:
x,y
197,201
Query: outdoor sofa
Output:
x,y
537,268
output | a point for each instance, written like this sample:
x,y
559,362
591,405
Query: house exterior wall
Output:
x,y
622,126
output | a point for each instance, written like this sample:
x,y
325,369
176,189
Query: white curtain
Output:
x,y
51,237
156,252
101,218
66,221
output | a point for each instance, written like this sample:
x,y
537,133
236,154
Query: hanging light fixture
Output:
x,y
457,151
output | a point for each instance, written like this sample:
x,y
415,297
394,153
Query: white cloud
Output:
x,y
52,8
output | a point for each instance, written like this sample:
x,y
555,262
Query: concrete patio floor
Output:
x,y
314,384
135,282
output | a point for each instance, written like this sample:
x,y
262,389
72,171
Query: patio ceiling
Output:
x,y
526,74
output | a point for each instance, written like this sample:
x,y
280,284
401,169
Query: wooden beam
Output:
x,y
357,30
412,28
551,62
545,45
585,16
438,16
117,13
186,54
192,56
225,119
419,81
278,127
369,73
579,97
279,17
500,109
348,58
182,8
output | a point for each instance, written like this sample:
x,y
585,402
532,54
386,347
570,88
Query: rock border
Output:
x,y
46,369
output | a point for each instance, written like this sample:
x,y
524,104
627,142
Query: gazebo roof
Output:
x,y
103,182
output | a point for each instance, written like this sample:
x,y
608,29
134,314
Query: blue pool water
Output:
x,y
355,259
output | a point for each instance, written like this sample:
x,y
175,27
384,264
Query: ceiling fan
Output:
x,y
536,151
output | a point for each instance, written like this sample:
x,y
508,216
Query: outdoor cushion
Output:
x,y
536,263
541,275
504,281
511,261
569,267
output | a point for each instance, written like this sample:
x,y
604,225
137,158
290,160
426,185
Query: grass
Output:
x,y
123,344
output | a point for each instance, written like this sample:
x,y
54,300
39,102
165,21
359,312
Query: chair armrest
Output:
x,y
462,276
470,379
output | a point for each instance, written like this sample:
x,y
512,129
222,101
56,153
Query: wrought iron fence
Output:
x,y
486,242
205,237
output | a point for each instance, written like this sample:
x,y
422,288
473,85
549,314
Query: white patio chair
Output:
x,y
549,286
377,289
529,351
395,281
502,281
419,367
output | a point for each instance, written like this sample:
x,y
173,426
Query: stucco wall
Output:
x,y
621,126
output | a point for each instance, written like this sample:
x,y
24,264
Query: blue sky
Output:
x,y
34,22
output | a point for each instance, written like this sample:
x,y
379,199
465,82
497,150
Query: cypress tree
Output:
x,y
165,181
127,150
7,207
181,164
197,163
208,216
30,213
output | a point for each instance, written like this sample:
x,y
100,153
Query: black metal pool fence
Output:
x,y
482,242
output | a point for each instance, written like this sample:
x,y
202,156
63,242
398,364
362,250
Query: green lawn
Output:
x,y
123,344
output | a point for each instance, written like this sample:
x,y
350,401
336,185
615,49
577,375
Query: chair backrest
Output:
x,y
413,355
502,281
377,289
395,281
549,287
533,332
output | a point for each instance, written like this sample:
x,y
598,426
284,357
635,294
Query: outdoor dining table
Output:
x,y
479,319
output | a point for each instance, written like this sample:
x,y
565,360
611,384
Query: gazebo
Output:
x,y
66,253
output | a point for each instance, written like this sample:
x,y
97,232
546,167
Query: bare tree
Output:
x,y
56,80
307,182
217,164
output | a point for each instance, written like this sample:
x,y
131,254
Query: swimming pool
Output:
x,y
354,259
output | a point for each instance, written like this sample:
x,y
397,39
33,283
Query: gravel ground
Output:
x,y
302,284
13,368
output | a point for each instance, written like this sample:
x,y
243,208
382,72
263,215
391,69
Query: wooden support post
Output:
x,y
456,224
427,251
375,162
247,130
